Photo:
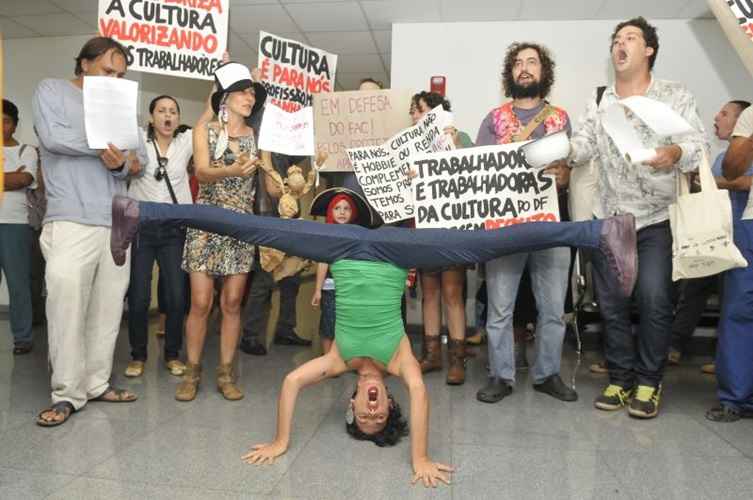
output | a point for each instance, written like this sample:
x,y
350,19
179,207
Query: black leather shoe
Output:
x,y
253,347
494,391
555,387
291,339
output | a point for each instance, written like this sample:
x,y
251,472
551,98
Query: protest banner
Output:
x,y
293,72
287,133
382,171
481,188
175,37
344,120
736,19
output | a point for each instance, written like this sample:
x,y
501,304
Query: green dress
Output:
x,y
368,322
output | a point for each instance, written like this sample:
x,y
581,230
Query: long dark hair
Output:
x,y
395,428
153,104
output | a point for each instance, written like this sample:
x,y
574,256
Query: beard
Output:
x,y
518,91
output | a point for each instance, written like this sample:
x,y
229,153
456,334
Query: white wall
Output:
x,y
470,55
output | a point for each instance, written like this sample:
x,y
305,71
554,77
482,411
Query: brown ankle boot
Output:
x,y
456,359
432,356
188,387
226,383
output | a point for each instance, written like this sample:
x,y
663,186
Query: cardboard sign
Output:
x,y
287,133
736,19
344,120
174,37
293,72
382,171
481,188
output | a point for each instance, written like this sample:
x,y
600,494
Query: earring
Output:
x,y
223,114
349,416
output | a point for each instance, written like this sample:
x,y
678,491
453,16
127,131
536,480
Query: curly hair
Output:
x,y
649,35
547,67
11,111
395,428
432,99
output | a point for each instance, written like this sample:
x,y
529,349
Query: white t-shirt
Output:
x,y
147,188
744,124
13,207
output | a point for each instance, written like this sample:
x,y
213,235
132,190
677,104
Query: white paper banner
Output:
x,y
481,188
287,133
382,171
110,112
663,120
173,37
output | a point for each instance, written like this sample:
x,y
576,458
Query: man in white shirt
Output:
x,y
734,351
20,169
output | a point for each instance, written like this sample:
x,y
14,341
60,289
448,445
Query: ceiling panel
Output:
x,y
14,8
343,42
313,1
339,16
558,10
252,39
479,10
695,9
11,29
57,25
366,63
78,5
271,18
650,9
383,41
382,13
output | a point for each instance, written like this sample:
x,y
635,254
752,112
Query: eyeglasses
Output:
x,y
161,171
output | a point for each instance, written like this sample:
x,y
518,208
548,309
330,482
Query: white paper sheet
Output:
x,y
662,119
287,133
110,112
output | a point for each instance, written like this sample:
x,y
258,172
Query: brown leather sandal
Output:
x,y
64,408
113,395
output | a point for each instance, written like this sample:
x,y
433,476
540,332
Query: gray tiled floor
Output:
x,y
528,446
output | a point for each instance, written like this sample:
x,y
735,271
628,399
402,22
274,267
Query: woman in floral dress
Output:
x,y
226,158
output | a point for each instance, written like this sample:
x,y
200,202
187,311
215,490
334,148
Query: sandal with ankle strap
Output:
x,y
64,408
113,395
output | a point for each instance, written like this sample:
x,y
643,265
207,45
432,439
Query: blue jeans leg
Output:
x,y
502,281
175,290
143,255
15,264
639,358
549,271
402,247
734,352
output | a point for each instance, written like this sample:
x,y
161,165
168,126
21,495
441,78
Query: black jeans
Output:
x,y
257,307
638,358
164,244
692,297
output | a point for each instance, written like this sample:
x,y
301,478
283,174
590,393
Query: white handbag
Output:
x,y
702,243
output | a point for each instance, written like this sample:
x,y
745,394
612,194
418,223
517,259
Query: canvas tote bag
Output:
x,y
702,243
